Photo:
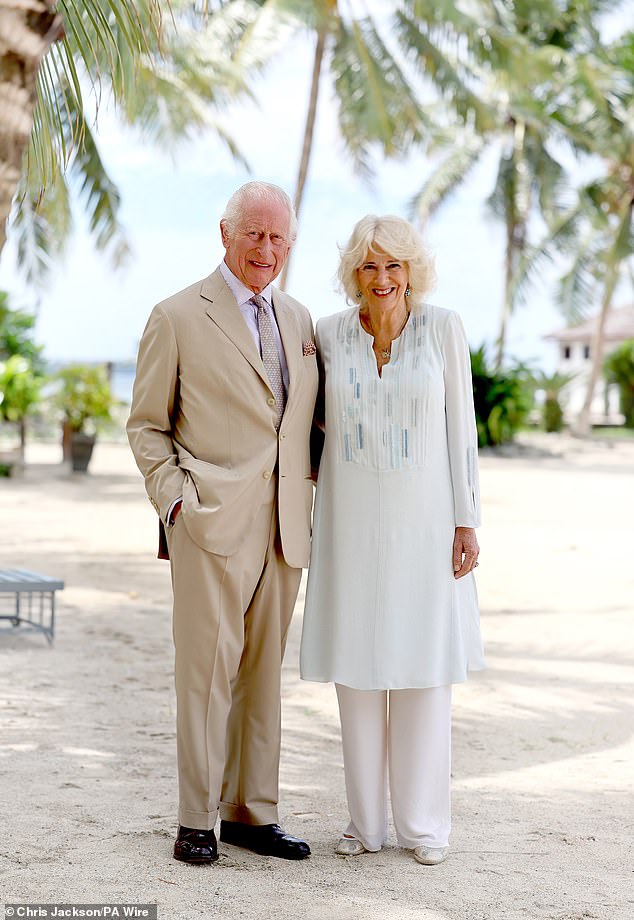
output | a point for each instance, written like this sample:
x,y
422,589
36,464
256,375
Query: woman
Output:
x,y
391,611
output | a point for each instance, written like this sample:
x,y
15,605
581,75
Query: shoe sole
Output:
x,y
244,846
423,862
197,860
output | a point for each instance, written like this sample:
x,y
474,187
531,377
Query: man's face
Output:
x,y
259,247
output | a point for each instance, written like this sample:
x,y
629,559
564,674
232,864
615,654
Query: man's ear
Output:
x,y
224,233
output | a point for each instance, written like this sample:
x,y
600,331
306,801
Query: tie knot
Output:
x,y
259,301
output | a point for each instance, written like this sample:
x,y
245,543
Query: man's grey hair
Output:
x,y
254,192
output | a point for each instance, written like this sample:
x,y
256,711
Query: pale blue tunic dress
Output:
x,y
398,474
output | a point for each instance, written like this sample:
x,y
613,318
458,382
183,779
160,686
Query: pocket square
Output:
x,y
309,348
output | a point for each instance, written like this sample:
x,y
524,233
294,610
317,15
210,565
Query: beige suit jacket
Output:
x,y
202,418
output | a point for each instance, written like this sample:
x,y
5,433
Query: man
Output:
x,y
220,421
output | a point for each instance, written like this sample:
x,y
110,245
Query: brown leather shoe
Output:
x,y
195,846
265,839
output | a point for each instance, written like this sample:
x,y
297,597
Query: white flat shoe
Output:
x,y
430,856
350,846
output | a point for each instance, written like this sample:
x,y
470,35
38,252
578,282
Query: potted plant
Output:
x,y
85,398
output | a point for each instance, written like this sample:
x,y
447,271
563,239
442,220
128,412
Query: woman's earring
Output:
x,y
408,291
359,295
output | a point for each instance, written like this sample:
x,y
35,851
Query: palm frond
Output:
x,y
576,292
100,198
537,259
438,57
448,175
41,228
376,103
95,33
253,33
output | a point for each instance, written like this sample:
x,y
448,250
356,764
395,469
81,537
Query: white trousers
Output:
x,y
408,733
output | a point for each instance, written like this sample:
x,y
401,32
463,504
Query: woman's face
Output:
x,y
382,280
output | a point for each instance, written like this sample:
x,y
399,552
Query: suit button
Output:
x,y
271,401
266,474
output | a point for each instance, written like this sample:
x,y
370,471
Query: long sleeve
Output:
x,y
462,438
153,402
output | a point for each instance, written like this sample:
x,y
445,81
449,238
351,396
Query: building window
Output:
x,y
566,352
586,351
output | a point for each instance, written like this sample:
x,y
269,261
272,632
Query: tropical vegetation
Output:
x,y
502,398
21,367
532,82
167,76
552,386
619,369
503,71
593,106
84,396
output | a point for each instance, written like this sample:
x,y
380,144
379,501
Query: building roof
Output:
x,y
619,327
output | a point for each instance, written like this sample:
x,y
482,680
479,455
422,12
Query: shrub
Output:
x,y
552,385
619,369
20,388
502,399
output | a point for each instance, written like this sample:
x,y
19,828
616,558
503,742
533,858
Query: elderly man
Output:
x,y
219,426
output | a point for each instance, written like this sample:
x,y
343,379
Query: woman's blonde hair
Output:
x,y
400,240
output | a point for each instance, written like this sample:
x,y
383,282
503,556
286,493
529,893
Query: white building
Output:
x,y
575,357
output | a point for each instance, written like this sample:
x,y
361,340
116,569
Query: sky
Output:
x,y
171,206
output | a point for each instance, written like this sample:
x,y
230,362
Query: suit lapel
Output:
x,y
222,308
291,339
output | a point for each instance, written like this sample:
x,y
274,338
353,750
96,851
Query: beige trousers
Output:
x,y
231,618
408,731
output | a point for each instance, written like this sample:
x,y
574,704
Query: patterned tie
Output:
x,y
270,356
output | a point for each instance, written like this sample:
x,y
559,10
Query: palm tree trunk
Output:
x,y
582,425
509,259
309,131
22,430
27,30
517,208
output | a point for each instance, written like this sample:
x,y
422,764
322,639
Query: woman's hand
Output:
x,y
465,544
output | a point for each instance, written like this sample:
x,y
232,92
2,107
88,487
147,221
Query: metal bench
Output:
x,y
34,603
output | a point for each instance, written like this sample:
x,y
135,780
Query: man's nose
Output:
x,y
265,247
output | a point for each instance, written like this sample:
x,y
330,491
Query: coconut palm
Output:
x,y
377,106
26,34
168,71
596,238
594,106
492,65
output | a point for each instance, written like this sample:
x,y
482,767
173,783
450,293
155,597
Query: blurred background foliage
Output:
x,y
533,80
620,370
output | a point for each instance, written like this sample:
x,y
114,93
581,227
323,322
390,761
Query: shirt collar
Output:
x,y
240,291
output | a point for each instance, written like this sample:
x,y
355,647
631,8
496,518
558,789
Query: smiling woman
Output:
x,y
386,267
391,613
384,288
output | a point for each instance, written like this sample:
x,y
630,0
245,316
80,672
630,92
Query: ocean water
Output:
x,y
121,381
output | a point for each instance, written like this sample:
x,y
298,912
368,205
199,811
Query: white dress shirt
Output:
x,y
243,296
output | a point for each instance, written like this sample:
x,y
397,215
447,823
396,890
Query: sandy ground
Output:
x,y
543,767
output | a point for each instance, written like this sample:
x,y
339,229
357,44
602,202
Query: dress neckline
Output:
x,y
415,310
